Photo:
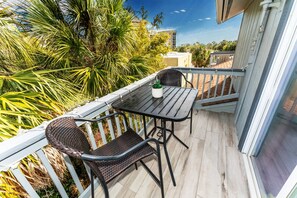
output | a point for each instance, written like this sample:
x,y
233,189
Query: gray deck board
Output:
x,y
211,167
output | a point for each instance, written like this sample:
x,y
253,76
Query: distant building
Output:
x,y
183,59
220,57
136,22
172,38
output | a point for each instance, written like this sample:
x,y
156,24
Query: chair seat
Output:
x,y
117,146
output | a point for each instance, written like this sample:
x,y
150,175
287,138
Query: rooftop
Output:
x,y
176,54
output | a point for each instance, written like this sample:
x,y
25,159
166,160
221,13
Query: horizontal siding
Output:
x,y
252,53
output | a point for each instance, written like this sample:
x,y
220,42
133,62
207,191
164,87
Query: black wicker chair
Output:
x,y
109,160
172,77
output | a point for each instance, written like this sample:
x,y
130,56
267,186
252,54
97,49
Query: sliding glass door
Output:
x,y
276,157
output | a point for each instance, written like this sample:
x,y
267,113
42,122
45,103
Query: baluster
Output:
x,y
198,75
130,121
231,84
125,126
24,182
209,86
51,173
73,173
187,76
119,130
102,132
91,135
111,131
217,82
135,122
203,86
192,76
223,85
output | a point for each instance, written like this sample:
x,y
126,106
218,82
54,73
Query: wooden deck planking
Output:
x,y
211,167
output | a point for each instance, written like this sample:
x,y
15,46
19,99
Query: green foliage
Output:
x,y
75,50
143,13
200,55
97,41
157,84
201,52
158,20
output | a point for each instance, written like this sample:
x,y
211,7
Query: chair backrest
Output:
x,y
64,135
171,77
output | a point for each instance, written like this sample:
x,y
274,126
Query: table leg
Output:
x,y
163,125
172,131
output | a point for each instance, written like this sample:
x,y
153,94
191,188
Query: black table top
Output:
x,y
175,104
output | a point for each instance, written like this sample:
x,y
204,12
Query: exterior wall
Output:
x,y
252,53
171,61
178,59
172,39
220,58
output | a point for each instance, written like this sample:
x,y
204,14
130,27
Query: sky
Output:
x,y
194,20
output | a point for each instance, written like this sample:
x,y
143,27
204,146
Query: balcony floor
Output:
x,y
211,167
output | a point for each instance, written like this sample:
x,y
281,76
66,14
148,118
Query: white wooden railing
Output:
x,y
13,150
214,84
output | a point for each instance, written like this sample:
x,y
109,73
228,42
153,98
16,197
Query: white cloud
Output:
x,y
182,10
207,18
176,11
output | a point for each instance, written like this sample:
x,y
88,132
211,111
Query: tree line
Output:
x,y
201,52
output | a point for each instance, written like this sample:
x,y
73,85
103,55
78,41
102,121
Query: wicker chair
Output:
x,y
172,77
109,160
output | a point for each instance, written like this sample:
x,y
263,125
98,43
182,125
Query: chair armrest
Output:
x,y
89,157
102,118
190,83
187,80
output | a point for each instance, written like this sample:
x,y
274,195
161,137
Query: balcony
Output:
x,y
211,167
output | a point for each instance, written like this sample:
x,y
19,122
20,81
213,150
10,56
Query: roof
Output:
x,y
176,54
227,9
222,53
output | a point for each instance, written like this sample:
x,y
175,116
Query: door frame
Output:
x,y
284,62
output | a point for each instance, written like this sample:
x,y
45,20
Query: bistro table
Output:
x,y
175,105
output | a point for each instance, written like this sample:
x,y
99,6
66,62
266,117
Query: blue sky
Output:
x,y
194,20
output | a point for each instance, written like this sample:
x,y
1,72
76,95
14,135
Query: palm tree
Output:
x,y
158,20
95,38
74,46
143,13
28,96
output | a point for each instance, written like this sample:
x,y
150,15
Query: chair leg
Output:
x,y
136,166
105,189
160,172
191,121
92,185
172,127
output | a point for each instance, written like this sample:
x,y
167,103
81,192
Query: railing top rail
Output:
x,y
15,145
208,69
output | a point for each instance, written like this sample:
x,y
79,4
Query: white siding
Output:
x,y
251,53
